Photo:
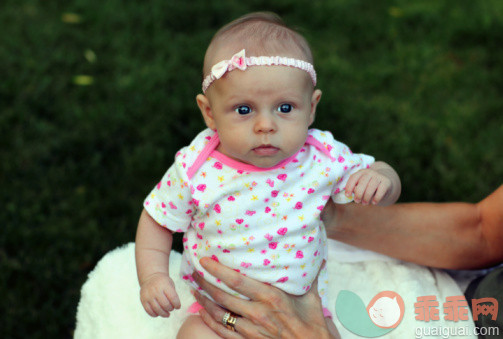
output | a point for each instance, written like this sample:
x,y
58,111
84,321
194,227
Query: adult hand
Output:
x,y
271,313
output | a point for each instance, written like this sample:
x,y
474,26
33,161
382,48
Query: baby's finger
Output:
x,y
382,190
165,303
361,187
372,187
158,309
149,309
173,298
352,181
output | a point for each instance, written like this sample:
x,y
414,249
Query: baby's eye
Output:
x,y
243,109
285,108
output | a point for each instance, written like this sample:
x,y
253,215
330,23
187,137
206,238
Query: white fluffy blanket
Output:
x,y
110,307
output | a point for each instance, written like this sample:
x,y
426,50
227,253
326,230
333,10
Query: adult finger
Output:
x,y
217,327
212,308
235,304
242,326
251,288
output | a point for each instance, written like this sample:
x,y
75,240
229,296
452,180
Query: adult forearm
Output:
x,y
447,235
491,225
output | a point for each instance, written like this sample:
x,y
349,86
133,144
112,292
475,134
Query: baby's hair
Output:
x,y
260,34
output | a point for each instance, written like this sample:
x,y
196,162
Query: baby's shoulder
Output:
x,y
187,155
326,141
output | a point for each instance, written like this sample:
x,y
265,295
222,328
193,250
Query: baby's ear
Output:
x,y
315,99
205,108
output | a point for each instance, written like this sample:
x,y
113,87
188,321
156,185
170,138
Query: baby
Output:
x,y
248,191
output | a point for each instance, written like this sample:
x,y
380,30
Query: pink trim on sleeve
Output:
x,y
316,143
205,153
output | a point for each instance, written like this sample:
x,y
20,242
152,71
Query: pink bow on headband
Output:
x,y
236,61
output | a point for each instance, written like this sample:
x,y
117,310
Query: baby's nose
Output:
x,y
265,123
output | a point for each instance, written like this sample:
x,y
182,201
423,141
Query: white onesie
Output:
x,y
264,223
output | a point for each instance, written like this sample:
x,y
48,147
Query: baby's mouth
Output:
x,y
266,150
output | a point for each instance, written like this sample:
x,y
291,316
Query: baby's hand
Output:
x,y
368,186
158,295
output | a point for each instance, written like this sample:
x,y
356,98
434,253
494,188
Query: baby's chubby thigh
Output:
x,y
194,327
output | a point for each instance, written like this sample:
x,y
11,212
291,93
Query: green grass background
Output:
x,y
416,83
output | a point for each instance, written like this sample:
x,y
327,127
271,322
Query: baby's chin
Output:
x,y
262,161
265,164
270,162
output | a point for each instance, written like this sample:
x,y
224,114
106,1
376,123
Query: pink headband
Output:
x,y
239,60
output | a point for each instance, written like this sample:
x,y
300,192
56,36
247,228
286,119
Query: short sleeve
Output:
x,y
170,202
346,162
351,163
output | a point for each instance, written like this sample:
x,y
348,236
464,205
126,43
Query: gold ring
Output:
x,y
229,321
225,318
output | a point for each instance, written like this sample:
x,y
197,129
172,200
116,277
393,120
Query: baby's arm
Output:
x,y
153,245
378,185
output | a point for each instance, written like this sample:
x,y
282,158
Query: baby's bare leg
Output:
x,y
194,327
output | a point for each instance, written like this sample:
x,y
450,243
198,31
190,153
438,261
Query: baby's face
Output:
x,y
262,115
